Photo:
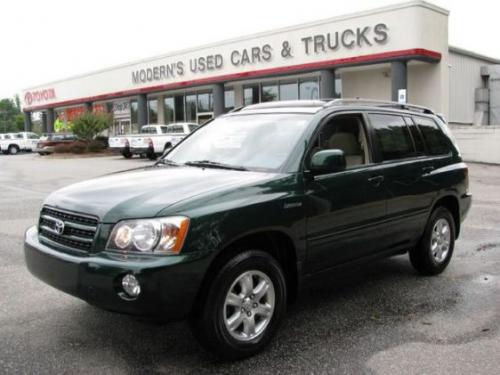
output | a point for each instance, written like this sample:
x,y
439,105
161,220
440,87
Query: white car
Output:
x,y
12,143
159,138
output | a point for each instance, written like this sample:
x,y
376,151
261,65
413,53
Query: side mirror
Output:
x,y
327,161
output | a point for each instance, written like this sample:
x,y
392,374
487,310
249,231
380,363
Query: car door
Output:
x,y
399,149
345,210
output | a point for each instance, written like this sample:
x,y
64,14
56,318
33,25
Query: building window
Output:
x,y
205,102
228,100
133,112
191,107
289,91
168,110
153,111
309,89
269,92
250,95
179,108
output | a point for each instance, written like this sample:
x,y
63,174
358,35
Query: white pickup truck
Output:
x,y
121,143
12,143
158,138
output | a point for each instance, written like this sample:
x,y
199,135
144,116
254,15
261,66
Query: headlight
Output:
x,y
163,235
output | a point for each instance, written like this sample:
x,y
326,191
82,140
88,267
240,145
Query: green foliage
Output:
x,y
11,118
89,125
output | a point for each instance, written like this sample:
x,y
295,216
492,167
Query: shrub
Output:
x,y
89,125
62,148
95,146
78,147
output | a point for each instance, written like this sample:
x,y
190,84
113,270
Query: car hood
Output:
x,y
145,192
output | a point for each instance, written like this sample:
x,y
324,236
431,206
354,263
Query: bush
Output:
x,y
88,125
62,148
78,147
96,146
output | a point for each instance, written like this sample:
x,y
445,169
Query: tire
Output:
x,y
151,155
428,258
210,321
13,149
127,154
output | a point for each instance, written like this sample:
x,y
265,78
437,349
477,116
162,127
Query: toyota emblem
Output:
x,y
59,226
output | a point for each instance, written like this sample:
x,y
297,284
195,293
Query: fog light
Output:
x,y
131,285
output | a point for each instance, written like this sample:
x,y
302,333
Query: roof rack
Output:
x,y
379,103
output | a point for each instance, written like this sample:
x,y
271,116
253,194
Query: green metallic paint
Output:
x,y
331,219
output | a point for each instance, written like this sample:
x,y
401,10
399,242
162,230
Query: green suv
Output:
x,y
228,224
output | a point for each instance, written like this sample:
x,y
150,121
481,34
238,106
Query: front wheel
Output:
x,y
243,307
435,249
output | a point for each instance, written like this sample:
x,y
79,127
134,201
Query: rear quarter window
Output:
x,y
437,142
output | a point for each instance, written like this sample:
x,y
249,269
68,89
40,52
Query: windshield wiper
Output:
x,y
214,164
167,161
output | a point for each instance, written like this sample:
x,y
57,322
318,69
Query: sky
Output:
x,y
46,40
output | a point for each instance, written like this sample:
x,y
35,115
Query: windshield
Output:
x,y
262,141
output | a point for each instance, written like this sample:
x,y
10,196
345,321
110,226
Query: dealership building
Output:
x,y
399,52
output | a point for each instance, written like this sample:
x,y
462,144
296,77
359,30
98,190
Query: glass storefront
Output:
x,y
251,95
168,110
133,112
229,100
191,108
309,89
153,111
289,91
269,92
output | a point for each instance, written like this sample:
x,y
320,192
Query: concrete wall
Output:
x,y
478,143
367,84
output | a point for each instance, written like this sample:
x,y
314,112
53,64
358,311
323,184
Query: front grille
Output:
x,y
72,230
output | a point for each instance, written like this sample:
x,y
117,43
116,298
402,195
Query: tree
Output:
x,y
88,125
11,118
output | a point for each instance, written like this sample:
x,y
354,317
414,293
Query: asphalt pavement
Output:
x,y
380,318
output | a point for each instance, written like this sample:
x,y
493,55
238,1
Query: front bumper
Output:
x,y
169,284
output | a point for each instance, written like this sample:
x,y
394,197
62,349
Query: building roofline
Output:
x,y
474,55
407,4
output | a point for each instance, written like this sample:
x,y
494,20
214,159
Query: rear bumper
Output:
x,y
465,204
142,150
169,284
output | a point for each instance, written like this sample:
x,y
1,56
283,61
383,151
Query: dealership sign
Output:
x,y
39,96
317,44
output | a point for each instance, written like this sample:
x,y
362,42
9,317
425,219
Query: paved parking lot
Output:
x,y
379,319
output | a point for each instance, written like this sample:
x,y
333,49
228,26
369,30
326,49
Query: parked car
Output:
x,y
48,142
121,143
228,225
153,144
12,143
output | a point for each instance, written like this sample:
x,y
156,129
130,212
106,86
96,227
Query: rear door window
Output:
x,y
416,136
392,136
436,141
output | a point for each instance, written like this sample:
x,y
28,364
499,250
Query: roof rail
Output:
x,y
379,103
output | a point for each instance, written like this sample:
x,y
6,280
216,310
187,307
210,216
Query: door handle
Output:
x,y
427,169
376,180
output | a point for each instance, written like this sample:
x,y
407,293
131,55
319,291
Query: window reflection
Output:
x,y
309,90
191,107
228,100
251,95
168,110
289,91
205,102
153,111
269,93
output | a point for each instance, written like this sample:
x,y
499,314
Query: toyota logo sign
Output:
x,y
39,96
59,226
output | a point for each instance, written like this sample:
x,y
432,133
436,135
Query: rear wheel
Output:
x,y
13,149
435,249
243,307
127,154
